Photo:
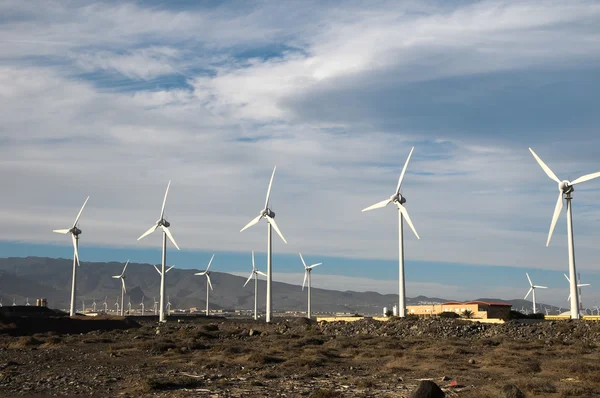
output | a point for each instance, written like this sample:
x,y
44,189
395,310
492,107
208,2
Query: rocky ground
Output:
x,y
289,358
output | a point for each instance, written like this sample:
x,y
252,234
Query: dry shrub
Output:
x,y
582,367
156,347
325,393
262,359
397,366
539,386
366,383
309,341
162,383
193,344
25,341
52,341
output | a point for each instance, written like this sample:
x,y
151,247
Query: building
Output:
x,y
479,309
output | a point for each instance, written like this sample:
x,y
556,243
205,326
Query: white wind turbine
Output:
x,y
117,305
75,232
206,272
254,274
307,272
270,217
27,302
532,288
565,190
94,305
123,289
105,305
142,305
579,285
168,305
399,201
155,305
83,306
14,302
129,305
164,226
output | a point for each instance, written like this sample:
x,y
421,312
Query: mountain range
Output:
x,y
50,278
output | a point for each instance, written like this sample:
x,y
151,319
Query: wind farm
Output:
x,y
400,158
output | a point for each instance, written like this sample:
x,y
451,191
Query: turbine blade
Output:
x,y
61,231
200,273
253,267
585,178
404,171
80,211
269,190
383,203
261,273
584,284
314,265
304,282
540,287
116,276
162,210
251,223
76,251
407,217
557,210
528,293
169,269
124,289
157,270
210,262
124,268
148,232
302,258
568,280
209,282
169,235
249,279
529,279
546,169
274,224
569,298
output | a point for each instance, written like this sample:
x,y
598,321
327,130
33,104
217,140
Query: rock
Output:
x,y
427,389
472,361
512,391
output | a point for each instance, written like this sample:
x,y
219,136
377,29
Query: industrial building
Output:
x,y
478,309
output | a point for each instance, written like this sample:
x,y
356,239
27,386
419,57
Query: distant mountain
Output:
x,y
37,277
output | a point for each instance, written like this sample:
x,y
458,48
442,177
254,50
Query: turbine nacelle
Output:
x,y
565,187
163,223
398,199
75,231
267,213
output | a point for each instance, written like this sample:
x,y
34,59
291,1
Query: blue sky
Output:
x,y
113,99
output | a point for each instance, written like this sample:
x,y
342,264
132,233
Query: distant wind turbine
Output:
x,y
123,289
129,305
164,225
168,305
94,305
254,274
206,273
399,201
579,286
307,272
532,291
105,305
117,305
155,305
269,215
565,191
75,232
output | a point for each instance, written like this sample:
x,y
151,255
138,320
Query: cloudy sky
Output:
x,y
114,99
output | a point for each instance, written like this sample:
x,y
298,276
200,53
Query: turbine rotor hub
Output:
x,y
76,231
164,223
398,199
269,212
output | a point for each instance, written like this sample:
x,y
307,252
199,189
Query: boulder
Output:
x,y
512,391
427,389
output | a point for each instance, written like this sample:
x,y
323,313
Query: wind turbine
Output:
x,y
164,226
208,283
565,190
27,302
75,232
123,289
168,305
94,305
270,216
105,305
155,306
254,274
532,291
399,201
142,305
129,305
307,271
117,305
579,285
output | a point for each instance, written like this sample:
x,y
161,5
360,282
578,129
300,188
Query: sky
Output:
x,y
114,99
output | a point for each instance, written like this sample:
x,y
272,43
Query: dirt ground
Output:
x,y
295,357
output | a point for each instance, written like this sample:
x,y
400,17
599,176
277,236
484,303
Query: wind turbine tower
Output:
x,y
255,274
94,305
269,215
307,272
142,305
105,305
565,191
75,232
399,201
206,272
164,226
532,288
123,289
579,286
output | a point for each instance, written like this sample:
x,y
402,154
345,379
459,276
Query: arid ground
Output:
x,y
295,357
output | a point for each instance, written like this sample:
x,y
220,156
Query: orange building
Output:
x,y
479,309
